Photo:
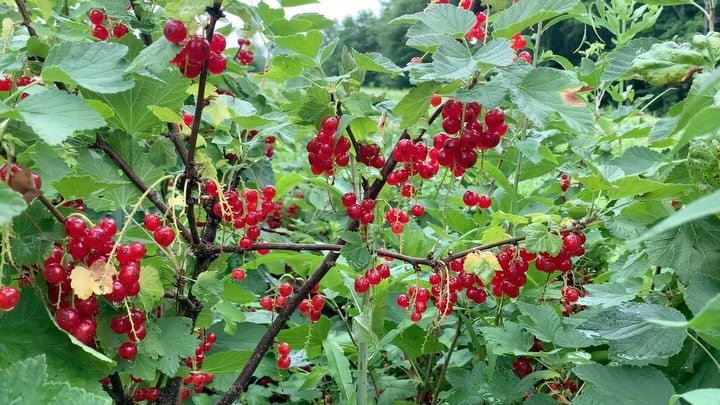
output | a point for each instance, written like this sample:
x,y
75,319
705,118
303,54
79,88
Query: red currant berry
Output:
x,y
283,349
75,227
238,273
100,32
164,236
403,301
119,30
362,284
96,16
174,31
267,303
484,201
9,297
152,221
435,100
349,199
285,289
153,394
470,198
218,42
269,192
139,395
127,350
283,362
417,210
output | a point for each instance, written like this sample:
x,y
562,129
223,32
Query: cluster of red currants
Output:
x,y
283,291
163,234
244,54
523,366
16,168
313,305
196,50
518,42
132,326
198,381
283,361
415,159
99,31
471,199
205,345
397,218
246,213
572,245
459,153
514,263
269,142
88,246
417,298
570,295
369,155
325,152
364,211
149,394
444,289
564,182
78,205
478,31
372,277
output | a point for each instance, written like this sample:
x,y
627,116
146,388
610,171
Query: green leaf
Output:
x,y
208,287
620,59
25,383
54,115
639,160
132,114
72,187
185,10
690,249
307,43
510,338
627,385
316,105
21,382
539,239
96,66
632,337
497,52
544,92
151,288
435,22
226,362
702,207
415,104
292,3
453,60
339,369
31,249
355,251
483,384
62,354
155,58
524,14
175,340
701,289
697,397
609,294
415,342
376,62
666,63
298,336
542,321
11,203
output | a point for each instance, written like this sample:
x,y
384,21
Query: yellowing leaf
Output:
x,y
484,264
94,280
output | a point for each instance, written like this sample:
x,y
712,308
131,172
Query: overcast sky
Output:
x,y
335,9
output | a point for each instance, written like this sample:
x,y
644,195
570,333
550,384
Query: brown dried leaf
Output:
x,y
94,280
23,183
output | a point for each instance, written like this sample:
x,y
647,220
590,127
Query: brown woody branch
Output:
x,y
27,22
102,144
49,205
191,174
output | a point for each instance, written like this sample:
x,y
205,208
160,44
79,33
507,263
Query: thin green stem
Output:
x,y
362,383
705,349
